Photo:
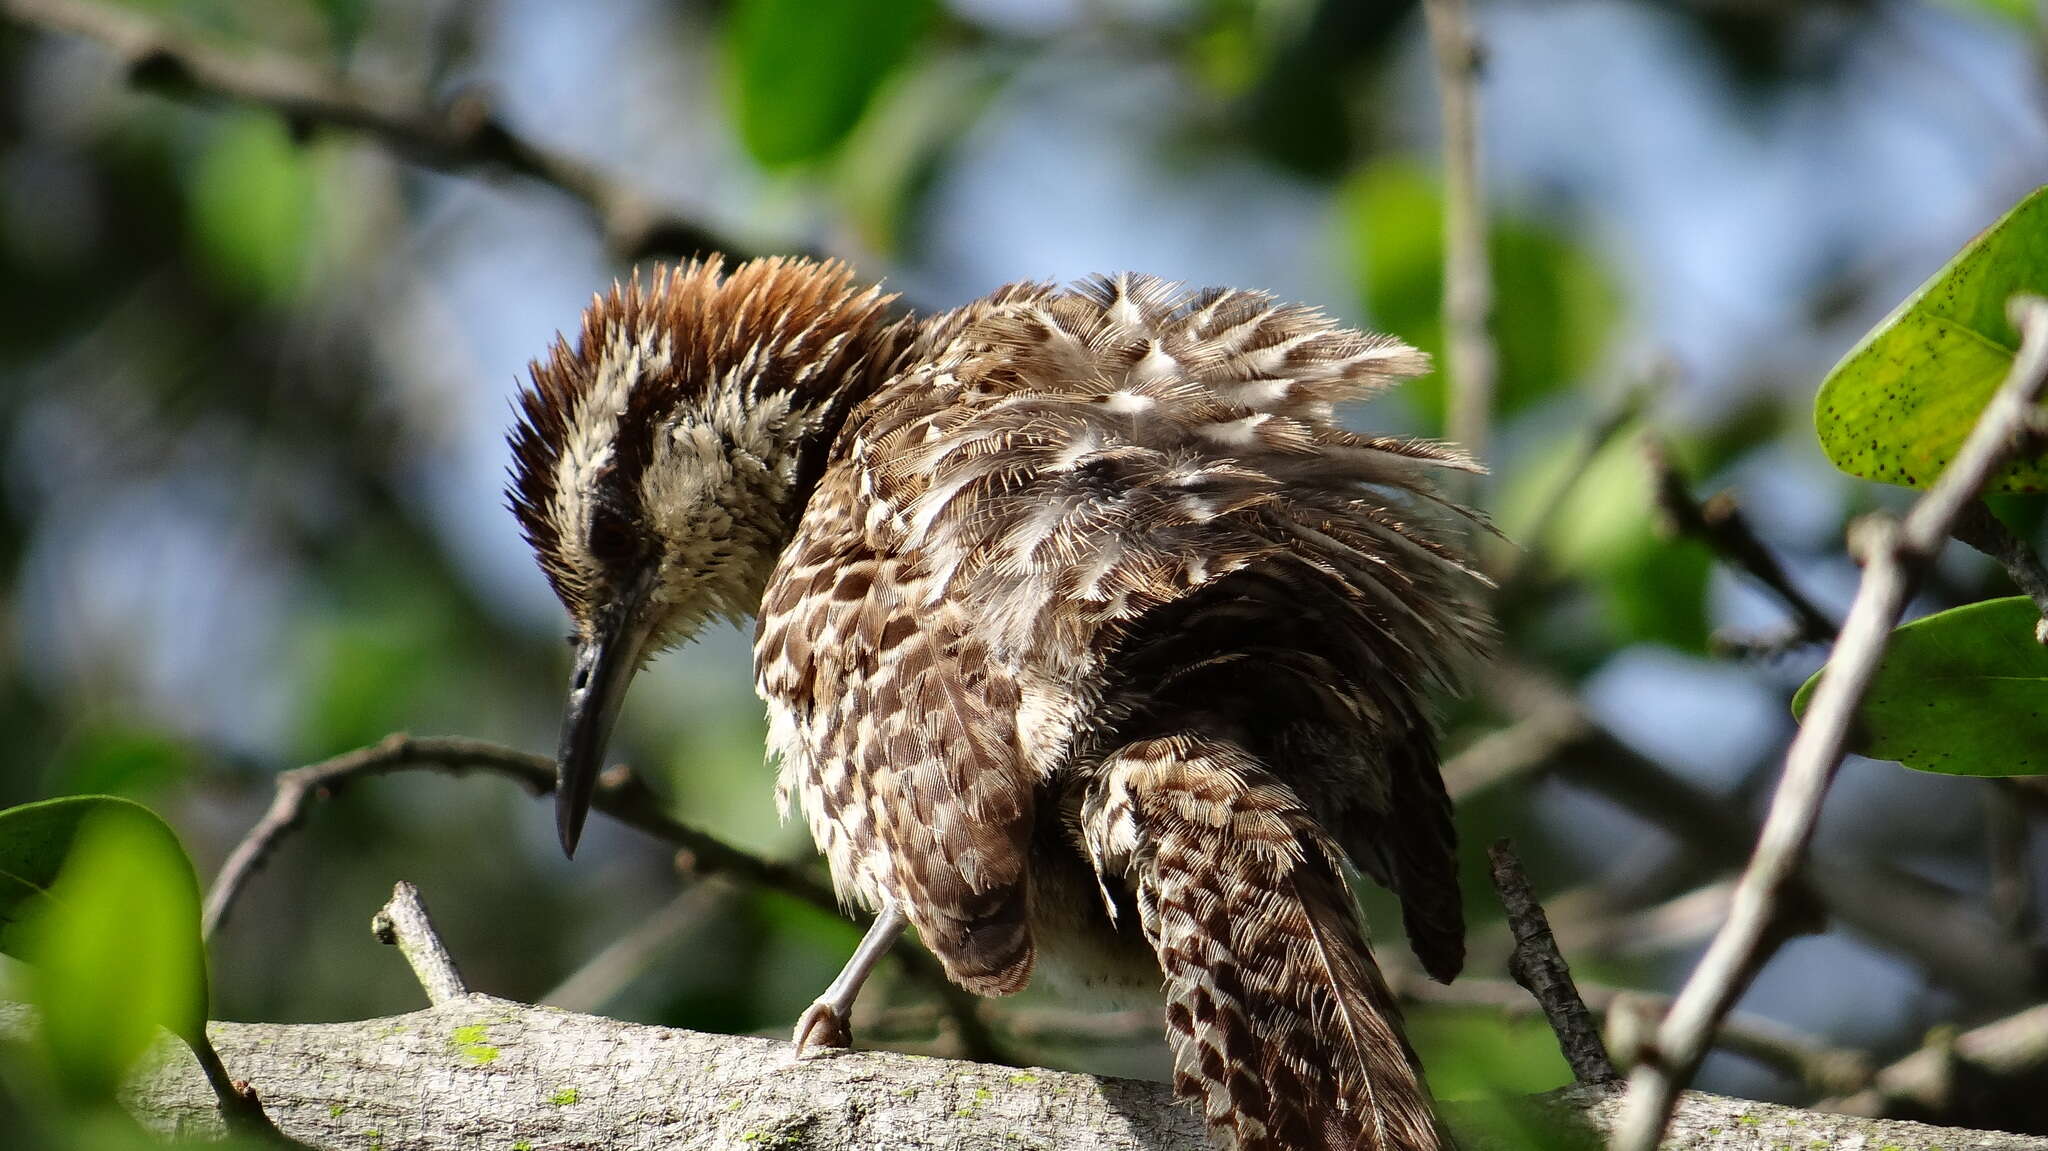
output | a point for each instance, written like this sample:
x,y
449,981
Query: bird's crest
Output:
x,y
775,336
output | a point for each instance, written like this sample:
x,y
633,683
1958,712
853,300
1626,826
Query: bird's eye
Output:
x,y
613,541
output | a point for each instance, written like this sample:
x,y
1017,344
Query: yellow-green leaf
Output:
x,y
1961,692
98,898
1901,402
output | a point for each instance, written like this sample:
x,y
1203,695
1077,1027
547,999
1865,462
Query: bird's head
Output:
x,y
659,462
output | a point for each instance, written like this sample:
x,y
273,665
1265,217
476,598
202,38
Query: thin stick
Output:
x,y
1896,555
1982,530
1886,904
619,794
1537,965
1720,524
404,924
465,137
1468,276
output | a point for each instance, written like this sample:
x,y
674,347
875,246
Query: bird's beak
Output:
x,y
605,662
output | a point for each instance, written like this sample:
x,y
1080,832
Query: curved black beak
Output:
x,y
605,662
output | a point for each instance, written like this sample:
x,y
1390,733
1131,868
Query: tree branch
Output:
x,y
487,1072
1900,911
1543,973
620,794
404,924
1720,524
1982,530
1468,275
2012,1051
464,137
1896,555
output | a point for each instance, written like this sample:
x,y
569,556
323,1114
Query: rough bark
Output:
x,y
479,1072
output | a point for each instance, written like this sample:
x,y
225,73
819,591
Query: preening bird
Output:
x,y
1090,641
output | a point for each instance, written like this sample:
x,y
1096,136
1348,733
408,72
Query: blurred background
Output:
x,y
255,375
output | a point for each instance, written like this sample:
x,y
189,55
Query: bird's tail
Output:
x,y
1282,1030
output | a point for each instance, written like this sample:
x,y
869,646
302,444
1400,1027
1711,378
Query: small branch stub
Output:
x,y
404,924
1540,968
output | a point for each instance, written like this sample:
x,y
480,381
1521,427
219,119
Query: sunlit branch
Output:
x,y
1895,555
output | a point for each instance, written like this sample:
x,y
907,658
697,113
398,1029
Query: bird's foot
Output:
x,y
823,1024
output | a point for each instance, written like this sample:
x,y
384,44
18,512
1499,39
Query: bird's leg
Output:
x,y
828,1020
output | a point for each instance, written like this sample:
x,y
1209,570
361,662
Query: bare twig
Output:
x,y
403,923
1893,908
1799,1056
464,137
1719,523
1543,973
620,794
1468,277
2012,1051
1895,556
1979,528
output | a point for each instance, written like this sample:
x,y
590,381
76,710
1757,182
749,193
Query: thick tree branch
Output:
x,y
463,137
484,1072
1895,557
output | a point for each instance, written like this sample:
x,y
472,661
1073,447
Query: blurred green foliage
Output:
x,y
803,71
1555,309
1603,531
250,199
97,897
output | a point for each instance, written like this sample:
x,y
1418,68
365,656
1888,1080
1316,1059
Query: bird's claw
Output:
x,y
824,1025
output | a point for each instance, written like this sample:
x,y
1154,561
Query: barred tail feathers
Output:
x,y
1283,1032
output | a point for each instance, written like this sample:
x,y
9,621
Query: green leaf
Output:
x,y
1563,304
98,898
251,207
1901,402
804,71
1961,692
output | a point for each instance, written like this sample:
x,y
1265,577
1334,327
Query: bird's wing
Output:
x,y
898,732
1137,486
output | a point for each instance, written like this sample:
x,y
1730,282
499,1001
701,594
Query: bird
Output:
x,y
1092,645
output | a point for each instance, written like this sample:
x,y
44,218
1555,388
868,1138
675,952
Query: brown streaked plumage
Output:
x,y
1090,641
